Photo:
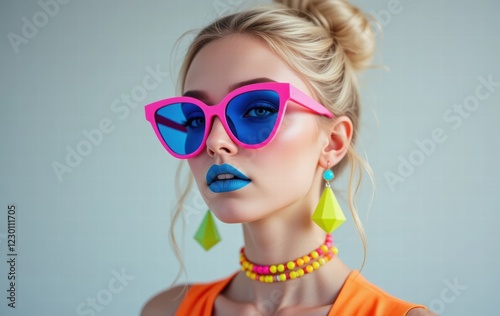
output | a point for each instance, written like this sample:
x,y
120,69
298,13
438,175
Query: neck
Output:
x,y
270,242
281,237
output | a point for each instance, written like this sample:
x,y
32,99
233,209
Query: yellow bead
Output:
x,y
282,277
322,261
269,279
261,278
300,272
315,265
272,269
306,259
248,274
250,267
300,262
335,250
309,268
314,254
324,248
293,275
290,265
281,268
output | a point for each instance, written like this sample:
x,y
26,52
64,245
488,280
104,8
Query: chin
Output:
x,y
233,213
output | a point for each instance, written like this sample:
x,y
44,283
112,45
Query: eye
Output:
x,y
260,109
194,122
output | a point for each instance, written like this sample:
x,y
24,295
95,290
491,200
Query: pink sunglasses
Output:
x,y
251,116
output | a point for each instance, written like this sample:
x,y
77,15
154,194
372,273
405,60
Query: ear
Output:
x,y
339,134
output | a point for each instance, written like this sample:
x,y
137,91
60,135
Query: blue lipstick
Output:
x,y
225,178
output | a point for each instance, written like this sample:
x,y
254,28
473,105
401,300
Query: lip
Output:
x,y
217,185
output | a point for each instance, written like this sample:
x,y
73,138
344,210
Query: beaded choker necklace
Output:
x,y
292,269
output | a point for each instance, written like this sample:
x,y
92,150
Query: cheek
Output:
x,y
297,137
295,151
196,167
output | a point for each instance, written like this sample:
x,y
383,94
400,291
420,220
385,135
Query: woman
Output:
x,y
270,105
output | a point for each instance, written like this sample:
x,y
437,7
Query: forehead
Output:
x,y
233,59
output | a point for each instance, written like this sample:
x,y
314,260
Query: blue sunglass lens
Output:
x,y
252,115
182,127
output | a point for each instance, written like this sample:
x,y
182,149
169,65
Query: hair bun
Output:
x,y
347,24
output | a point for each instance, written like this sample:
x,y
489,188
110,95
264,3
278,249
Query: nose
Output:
x,y
219,142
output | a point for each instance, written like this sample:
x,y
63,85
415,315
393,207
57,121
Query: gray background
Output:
x,y
431,235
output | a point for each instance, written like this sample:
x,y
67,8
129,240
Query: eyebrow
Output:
x,y
203,96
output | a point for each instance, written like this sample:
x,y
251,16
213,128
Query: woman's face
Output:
x,y
283,174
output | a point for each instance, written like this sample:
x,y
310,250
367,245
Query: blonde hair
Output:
x,y
325,42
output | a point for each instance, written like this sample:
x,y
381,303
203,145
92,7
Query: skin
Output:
x,y
275,208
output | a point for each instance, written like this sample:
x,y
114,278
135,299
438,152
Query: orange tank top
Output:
x,y
357,297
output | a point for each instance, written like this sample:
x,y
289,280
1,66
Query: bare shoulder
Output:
x,y
420,312
165,303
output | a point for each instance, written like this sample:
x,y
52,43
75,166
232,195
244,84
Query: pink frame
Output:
x,y
286,91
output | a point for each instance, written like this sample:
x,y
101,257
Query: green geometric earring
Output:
x,y
328,214
207,235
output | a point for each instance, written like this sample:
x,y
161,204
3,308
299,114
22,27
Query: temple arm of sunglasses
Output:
x,y
169,123
308,102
